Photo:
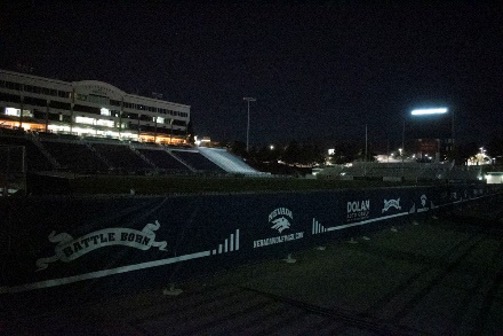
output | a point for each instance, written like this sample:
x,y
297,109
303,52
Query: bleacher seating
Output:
x,y
121,157
71,153
35,159
68,136
47,135
75,156
197,161
163,160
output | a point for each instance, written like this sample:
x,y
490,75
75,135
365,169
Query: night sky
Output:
x,y
319,70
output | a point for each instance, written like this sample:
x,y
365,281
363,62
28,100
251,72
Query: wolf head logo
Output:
x,y
423,200
280,224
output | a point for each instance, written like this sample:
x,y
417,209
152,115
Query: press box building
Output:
x,y
89,108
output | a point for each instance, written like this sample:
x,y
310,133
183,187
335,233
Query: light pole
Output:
x,y
403,140
366,141
248,99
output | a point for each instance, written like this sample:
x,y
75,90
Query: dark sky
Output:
x,y
317,69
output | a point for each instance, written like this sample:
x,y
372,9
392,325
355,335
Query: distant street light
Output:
x,y
248,99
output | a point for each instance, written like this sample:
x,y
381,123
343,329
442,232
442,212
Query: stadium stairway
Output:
x,y
36,141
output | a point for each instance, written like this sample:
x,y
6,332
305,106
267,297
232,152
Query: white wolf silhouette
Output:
x,y
423,200
280,224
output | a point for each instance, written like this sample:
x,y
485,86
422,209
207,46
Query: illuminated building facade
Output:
x,y
88,108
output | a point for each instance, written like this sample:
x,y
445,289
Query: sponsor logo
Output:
x,y
69,248
281,224
392,203
278,239
358,210
97,89
281,220
424,201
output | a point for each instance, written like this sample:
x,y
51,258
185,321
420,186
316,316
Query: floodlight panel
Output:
x,y
440,110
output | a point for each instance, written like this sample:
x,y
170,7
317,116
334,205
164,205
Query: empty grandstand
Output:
x,y
89,126
161,158
36,160
74,156
49,152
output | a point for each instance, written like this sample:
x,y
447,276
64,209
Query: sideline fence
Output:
x,y
118,243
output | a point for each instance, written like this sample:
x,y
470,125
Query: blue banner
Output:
x,y
57,241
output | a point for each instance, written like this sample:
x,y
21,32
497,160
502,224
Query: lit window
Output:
x,y
105,112
85,120
10,111
104,122
59,128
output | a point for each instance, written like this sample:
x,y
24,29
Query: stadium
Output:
x,y
103,194
71,131
91,128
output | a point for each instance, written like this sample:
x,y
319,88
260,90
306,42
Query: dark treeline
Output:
x,y
298,154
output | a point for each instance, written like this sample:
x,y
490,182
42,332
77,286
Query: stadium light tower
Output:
x,y
248,99
437,110
434,111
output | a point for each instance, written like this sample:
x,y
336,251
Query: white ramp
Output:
x,y
228,161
